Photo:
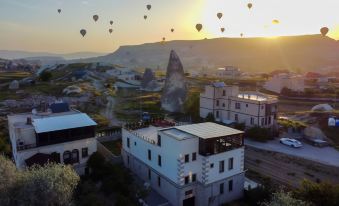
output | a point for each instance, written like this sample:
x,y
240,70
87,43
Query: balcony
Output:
x,y
21,147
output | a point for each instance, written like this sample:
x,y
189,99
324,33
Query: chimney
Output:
x,y
29,121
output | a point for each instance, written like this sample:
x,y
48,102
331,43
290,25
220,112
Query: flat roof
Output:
x,y
150,132
178,134
55,123
208,130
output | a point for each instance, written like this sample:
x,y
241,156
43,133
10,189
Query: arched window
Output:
x,y
67,156
75,156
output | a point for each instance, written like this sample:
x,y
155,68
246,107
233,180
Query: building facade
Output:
x,y
64,136
229,105
228,72
198,164
278,82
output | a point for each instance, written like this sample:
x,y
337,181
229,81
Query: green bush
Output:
x,y
45,76
210,117
258,134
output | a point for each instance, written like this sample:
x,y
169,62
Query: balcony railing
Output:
x,y
25,147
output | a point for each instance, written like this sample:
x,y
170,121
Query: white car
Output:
x,y
291,142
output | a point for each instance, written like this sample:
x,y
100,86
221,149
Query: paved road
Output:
x,y
327,155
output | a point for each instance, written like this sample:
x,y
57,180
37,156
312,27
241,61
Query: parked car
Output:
x,y
317,142
291,142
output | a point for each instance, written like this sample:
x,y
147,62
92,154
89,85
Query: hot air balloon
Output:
x,y
249,5
172,30
275,21
83,32
324,31
110,31
163,38
145,17
198,27
59,11
219,15
222,30
149,7
95,17
111,22
241,34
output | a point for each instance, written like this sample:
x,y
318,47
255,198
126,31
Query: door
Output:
x,y
189,201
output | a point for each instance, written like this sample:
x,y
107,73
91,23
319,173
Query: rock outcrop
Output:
x,y
147,77
14,85
175,90
149,82
322,108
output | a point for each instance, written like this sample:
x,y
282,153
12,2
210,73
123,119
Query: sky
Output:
x,y
35,25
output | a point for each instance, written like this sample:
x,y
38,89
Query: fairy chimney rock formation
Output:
x,y
175,90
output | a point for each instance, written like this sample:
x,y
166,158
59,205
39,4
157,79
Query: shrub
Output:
x,y
45,76
258,134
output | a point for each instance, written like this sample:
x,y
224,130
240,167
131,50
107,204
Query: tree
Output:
x,y
52,184
210,117
192,106
320,194
258,134
45,76
284,199
8,178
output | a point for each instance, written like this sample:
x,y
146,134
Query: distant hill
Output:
x,y
7,54
309,52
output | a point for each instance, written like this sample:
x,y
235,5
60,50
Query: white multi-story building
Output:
x,y
289,81
59,135
197,164
228,72
229,105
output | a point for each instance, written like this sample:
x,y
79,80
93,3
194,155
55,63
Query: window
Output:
x,y
230,185
187,158
217,102
194,156
135,143
128,160
262,121
211,165
230,163
236,117
127,142
252,120
221,166
84,152
159,160
246,105
223,104
149,155
262,107
67,156
223,93
75,156
188,192
269,120
194,177
217,115
221,188
159,181
237,105
149,174
159,140
187,178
